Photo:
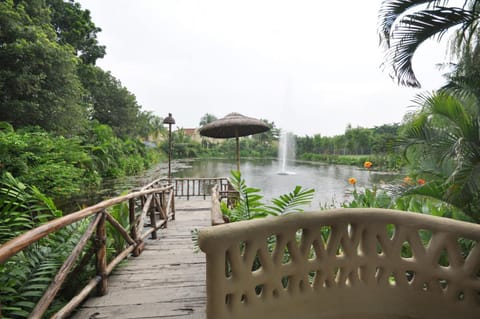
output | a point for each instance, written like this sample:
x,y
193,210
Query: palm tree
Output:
x,y
150,126
405,24
464,81
443,143
207,118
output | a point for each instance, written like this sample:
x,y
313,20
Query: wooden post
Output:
x,y
204,191
152,211
238,149
173,205
131,209
101,242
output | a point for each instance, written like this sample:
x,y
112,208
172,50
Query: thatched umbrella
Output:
x,y
234,125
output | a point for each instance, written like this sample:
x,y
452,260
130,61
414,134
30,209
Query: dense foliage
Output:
x,y
356,146
25,277
38,79
48,77
66,123
442,143
61,166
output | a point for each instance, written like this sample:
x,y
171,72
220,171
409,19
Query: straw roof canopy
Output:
x,y
233,125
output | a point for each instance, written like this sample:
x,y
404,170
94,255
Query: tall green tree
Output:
x,y
74,26
358,140
110,102
405,24
38,80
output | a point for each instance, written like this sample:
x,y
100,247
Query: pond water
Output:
x,y
329,181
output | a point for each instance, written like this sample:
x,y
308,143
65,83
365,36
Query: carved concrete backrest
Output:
x,y
344,263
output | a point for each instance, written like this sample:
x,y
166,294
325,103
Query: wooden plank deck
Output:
x,y
166,281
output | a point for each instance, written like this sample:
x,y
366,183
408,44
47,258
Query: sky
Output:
x,y
310,66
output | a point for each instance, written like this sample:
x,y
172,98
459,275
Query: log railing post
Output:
x,y
164,202
173,204
101,244
133,228
152,211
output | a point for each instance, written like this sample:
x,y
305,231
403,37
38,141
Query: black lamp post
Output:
x,y
169,120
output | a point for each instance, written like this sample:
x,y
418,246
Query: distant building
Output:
x,y
196,137
192,133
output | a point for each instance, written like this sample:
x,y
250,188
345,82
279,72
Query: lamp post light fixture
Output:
x,y
169,120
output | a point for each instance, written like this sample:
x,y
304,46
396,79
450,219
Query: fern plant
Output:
x,y
25,277
22,207
250,204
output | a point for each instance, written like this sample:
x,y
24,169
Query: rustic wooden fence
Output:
x,y
192,187
153,203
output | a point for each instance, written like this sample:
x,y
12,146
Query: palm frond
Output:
x,y
389,12
291,202
412,30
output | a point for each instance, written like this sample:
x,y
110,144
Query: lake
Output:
x,y
329,181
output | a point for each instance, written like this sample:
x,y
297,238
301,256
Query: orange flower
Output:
x,y
367,164
407,180
421,181
352,181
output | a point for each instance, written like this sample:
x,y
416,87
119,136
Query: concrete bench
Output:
x,y
343,263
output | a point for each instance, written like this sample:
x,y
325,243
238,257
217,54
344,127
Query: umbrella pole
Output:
x,y
238,152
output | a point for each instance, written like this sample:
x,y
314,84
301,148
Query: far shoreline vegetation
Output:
x,y
66,125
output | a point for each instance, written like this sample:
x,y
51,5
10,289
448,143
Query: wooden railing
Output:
x,y
230,195
192,187
156,204
344,263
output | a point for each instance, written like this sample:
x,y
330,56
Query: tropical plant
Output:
x,y
115,241
56,165
412,197
22,207
405,24
443,144
26,276
250,205
464,80
207,118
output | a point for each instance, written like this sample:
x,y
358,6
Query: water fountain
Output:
x,y
286,152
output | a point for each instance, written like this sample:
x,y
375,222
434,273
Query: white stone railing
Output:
x,y
344,263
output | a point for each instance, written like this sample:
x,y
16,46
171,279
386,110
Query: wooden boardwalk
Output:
x,y
166,281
